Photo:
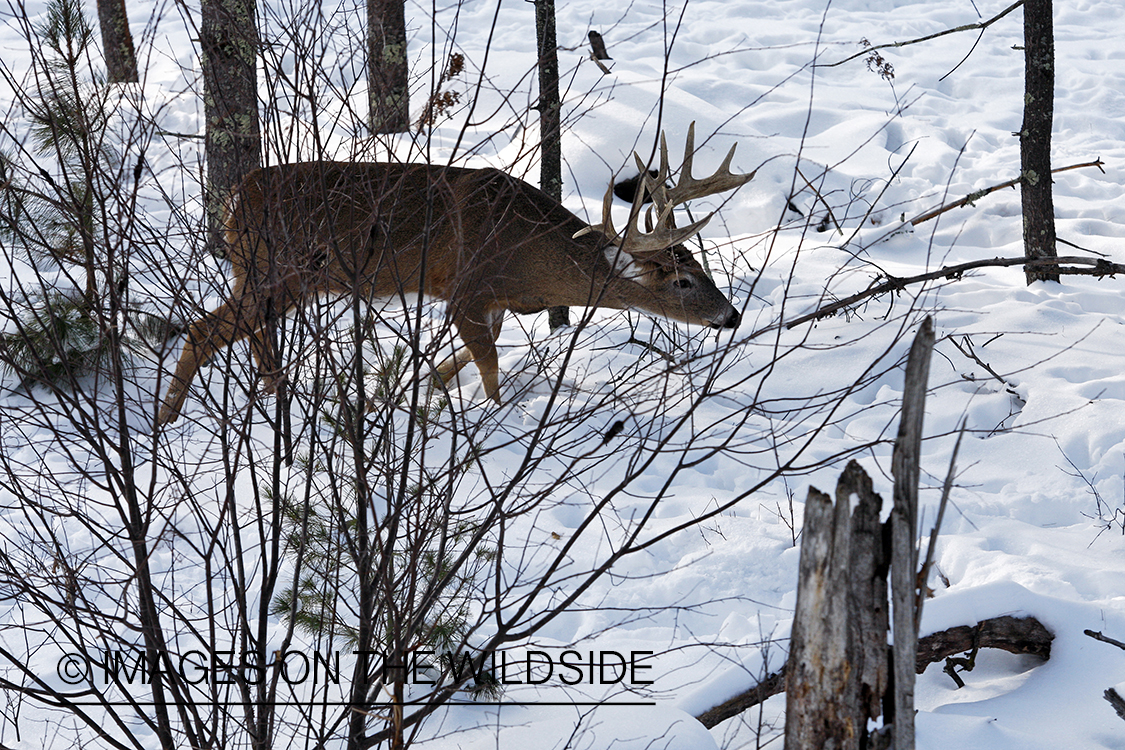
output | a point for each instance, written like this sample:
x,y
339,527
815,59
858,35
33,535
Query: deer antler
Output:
x,y
688,187
666,234
633,240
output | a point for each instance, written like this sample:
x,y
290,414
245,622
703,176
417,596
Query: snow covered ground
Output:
x,y
1037,522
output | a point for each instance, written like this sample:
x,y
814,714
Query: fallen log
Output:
x,y
1016,635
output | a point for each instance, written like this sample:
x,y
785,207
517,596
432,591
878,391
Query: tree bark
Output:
x,y
1035,137
868,615
820,686
388,77
837,674
117,42
550,129
228,40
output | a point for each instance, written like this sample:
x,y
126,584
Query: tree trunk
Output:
x,y
388,82
550,143
1035,136
228,41
117,41
904,534
837,677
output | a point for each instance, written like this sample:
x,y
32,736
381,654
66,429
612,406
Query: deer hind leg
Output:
x,y
479,333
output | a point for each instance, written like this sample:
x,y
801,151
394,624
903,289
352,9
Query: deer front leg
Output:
x,y
215,331
206,336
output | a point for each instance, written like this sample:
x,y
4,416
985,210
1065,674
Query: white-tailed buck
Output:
x,y
480,239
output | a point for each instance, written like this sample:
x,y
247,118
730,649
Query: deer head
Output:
x,y
679,286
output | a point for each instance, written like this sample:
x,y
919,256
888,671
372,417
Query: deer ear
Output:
x,y
660,256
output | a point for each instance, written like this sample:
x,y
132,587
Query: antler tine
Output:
x,y
633,241
638,243
652,184
688,187
662,173
689,152
665,235
606,227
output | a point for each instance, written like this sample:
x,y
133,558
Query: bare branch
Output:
x,y
972,198
966,27
967,349
1101,267
821,199
773,684
924,573
1097,636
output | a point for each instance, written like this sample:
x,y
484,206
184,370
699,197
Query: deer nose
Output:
x,y
732,320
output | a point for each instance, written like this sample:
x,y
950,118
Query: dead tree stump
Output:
x,y
838,676
837,669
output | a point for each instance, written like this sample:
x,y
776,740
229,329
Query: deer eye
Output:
x,y
682,283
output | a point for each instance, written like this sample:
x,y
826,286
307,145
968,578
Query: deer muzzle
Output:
x,y
731,321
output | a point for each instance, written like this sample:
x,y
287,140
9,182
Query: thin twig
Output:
x,y
924,575
973,197
953,70
652,348
967,27
1097,636
601,65
967,350
1101,267
821,199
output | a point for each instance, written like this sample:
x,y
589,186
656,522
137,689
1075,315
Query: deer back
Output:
x,y
390,229
462,235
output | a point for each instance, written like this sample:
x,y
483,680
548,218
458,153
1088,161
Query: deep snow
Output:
x,y
1023,535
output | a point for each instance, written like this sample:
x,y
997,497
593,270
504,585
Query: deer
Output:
x,y
482,240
